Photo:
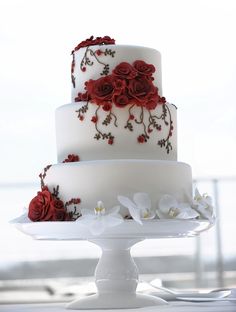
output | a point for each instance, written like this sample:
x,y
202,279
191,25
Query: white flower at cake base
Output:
x,y
139,208
170,208
203,205
99,220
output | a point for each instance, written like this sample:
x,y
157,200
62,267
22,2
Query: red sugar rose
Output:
x,y
119,85
143,68
100,90
152,100
59,212
57,204
121,100
125,70
45,207
71,158
60,215
141,89
40,208
107,107
151,104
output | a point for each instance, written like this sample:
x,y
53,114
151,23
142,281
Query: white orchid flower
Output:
x,y
203,205
23,218
139,208
99,220
170,208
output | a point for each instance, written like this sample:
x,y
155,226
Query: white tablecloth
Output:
x,y
172,307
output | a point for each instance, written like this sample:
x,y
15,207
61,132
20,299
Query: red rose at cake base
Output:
x,y
45,207
59,213
40,208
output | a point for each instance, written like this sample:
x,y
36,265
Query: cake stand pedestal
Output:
x,y
116,278
116,275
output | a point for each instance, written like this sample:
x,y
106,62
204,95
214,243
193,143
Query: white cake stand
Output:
x,y
116,275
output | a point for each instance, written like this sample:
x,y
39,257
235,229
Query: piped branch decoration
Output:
x,y
73,214
43,174
91,56
169,123
130,86
95,55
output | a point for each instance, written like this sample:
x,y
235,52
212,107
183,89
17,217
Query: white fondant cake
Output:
x,y
94,178
74,136
116,141
105,179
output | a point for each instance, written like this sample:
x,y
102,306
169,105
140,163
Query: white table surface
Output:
x,y
172,307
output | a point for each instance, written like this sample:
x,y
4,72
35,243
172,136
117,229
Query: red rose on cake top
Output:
x,y
143,68
94,41
127,84
100,90
125,70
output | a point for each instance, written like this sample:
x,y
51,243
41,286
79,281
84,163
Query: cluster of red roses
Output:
x,y
94,41
71,158
128,84
47,207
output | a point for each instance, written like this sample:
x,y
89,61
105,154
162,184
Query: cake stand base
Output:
x,y
116,278
116,275
115,301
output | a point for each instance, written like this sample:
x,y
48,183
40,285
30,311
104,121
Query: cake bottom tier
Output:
x,y
104,180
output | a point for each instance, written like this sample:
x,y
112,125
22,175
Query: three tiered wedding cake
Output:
x,y
116,144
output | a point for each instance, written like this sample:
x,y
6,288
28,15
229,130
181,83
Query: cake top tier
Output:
x,y
96,58
117,109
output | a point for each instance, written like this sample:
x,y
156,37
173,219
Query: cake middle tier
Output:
x,y
130,132
104,180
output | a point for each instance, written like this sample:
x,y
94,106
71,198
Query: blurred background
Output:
x,y
198,47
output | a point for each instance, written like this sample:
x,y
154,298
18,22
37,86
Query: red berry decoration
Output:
x,y
141,139
94,119
98,52
110,141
